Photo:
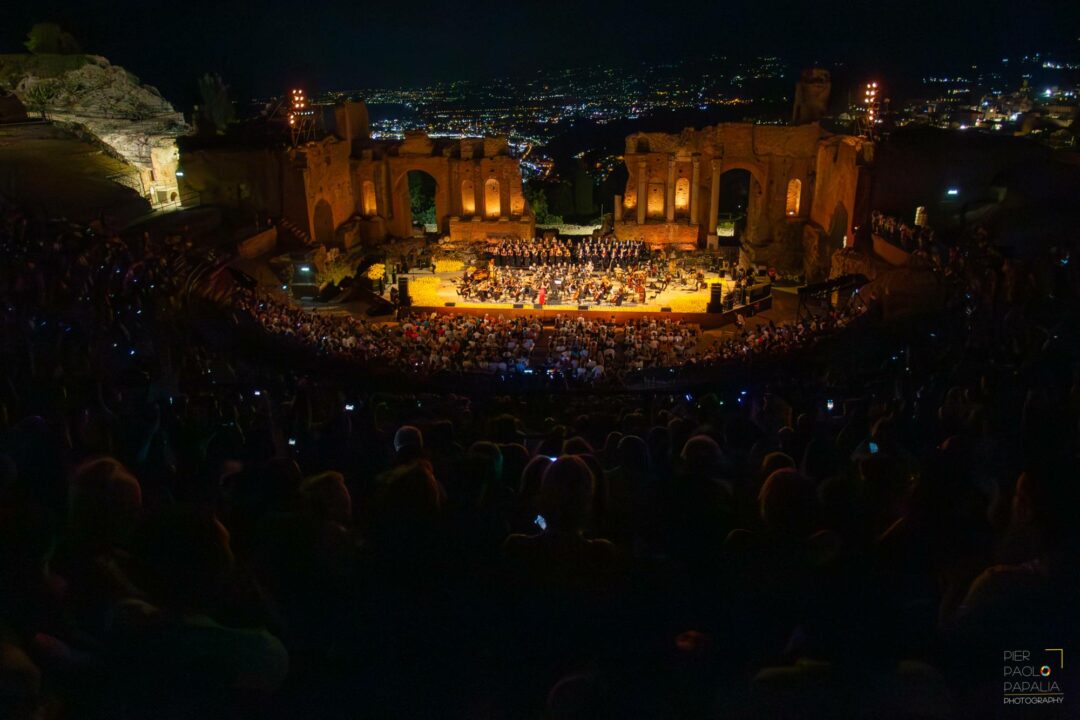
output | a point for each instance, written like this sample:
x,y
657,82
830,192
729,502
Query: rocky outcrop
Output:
x,y
107,103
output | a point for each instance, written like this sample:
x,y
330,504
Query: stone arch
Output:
x,y
468,198
401,220
422,187
322,222
794,197
736,190
492,199
753,209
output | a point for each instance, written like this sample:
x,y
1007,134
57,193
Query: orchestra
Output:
x,y
592,271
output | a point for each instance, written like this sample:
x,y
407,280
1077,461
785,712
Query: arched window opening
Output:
x,y
794,197
369,204
492,201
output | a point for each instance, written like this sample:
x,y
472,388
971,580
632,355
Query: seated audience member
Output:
x,y
104,506
172,644
408,444
560,557
1032,600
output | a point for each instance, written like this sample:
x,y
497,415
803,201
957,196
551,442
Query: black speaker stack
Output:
x,y
716,298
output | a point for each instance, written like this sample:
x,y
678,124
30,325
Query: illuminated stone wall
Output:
x,y
321,173
840,200
363,184
462,229
475,179
679,175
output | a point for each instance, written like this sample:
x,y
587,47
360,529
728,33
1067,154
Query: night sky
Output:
x,y
260,48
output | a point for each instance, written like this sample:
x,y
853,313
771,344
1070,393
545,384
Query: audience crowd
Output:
x,y
610,350
898,232
188,533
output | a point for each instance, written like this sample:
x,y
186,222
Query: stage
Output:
x,y
437,292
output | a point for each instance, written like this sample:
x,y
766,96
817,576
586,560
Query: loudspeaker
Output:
x,y
403,292
663,309
582,307
450,304
716,293
518,306
537,306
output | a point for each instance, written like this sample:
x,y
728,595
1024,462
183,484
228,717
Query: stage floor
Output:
x,y
437,293
429,290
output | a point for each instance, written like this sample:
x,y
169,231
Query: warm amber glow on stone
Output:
x,y
682,194
492,201
370,205
468,198
794,196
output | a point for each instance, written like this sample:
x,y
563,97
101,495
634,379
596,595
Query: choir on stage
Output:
x,y
588,272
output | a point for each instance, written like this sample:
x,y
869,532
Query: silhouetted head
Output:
x,y
633,454
532,474
408,436
327,498
577,445
701,456
787,503
104,502
185,556
566,494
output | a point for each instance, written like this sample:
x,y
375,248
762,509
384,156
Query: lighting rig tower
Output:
x,y
867,123
301,118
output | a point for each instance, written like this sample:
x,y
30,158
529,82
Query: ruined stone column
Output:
x,y
714,196
479,194
695,192
616,211
642,191
504,195
669,201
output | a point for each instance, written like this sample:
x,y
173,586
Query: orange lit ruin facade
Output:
x,y
346,188
478,187
807,195
804,194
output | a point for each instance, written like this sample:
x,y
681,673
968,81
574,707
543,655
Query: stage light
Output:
x,y
952,191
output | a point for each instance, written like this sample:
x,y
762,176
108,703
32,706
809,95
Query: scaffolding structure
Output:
x,y
301,118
